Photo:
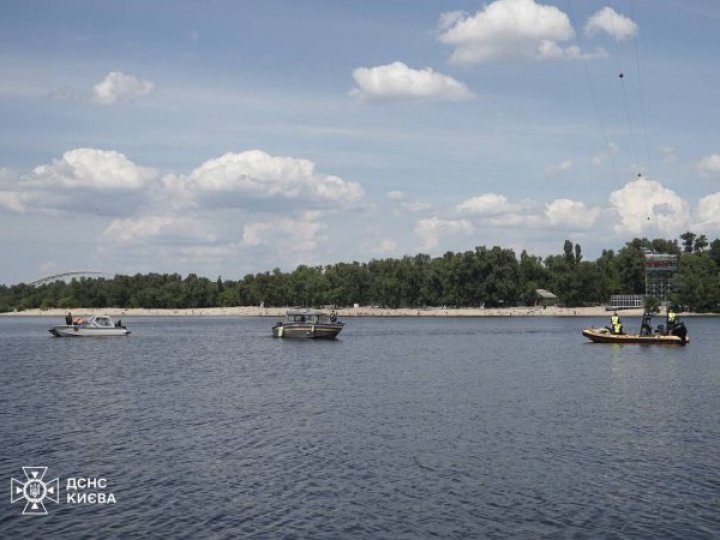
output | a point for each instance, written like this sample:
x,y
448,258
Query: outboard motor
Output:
x,y
680,331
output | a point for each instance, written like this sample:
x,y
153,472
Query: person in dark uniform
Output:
x,y
645,326
68,319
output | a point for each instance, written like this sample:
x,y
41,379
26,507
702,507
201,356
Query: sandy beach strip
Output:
x,y
255,311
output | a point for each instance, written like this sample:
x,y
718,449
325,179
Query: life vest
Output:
x,y
671,316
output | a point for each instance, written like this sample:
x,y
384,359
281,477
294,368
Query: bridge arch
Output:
x,y
67,276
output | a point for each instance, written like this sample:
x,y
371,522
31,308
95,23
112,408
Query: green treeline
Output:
x,y
492,277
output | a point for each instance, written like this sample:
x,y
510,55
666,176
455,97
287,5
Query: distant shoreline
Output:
x,y
254,311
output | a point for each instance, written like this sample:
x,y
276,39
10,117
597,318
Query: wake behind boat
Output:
x,y
308,323
95,326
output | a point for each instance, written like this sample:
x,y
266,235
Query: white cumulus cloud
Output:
x,y
495,210
405,203
573,214
509,29
14,201
84,180
488,204
645,204
710,165
395,195
560,168
89,168
450,18
118,87
156,229
612,23
398,82
299,236
255,173
430,230
708,211
386,247
415,206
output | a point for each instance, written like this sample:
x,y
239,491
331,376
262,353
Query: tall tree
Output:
x,y
688,239
578,254
714,252
660,245
568,252
630,263
697,284
701,242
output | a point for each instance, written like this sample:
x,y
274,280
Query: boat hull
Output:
x,y
601,335
79,331
306,330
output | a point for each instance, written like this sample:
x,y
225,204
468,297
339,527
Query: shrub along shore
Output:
x,y
494,278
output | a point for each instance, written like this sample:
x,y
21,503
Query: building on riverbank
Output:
x,y
659,271
546,298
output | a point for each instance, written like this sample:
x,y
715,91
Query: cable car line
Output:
x,y
591,87
621,76
640,89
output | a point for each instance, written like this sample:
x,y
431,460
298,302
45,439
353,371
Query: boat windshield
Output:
x,y
310,317
103,321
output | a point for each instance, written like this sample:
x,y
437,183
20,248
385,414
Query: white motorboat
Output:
x,y
95,326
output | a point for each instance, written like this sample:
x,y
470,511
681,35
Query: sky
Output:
x,y
234,137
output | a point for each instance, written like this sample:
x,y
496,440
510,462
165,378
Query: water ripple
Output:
x,y
448,428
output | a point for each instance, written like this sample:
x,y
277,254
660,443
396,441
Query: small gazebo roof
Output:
x,y
545,294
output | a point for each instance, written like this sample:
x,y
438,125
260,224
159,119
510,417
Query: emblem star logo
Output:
x,y
34,491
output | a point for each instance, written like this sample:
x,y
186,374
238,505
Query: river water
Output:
x,y
401,428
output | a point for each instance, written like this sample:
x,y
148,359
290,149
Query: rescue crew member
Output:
x,y
616,325
645,327
671,319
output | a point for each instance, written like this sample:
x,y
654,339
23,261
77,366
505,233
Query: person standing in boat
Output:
x,y
671,321
68,319
645,325
615,324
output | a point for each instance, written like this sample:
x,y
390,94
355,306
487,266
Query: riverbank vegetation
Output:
x,y
490,277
